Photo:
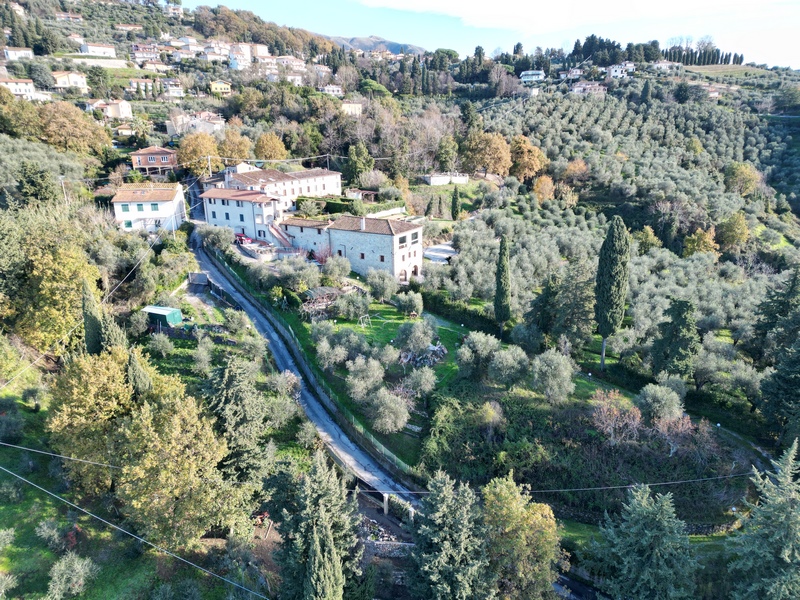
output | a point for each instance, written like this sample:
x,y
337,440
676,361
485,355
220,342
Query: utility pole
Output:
x,y
63,189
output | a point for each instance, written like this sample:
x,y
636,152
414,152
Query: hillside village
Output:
x,y
279,314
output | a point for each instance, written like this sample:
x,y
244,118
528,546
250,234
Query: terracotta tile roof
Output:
x,y
146,192
153,150
377,226
310,223
228,194
5,80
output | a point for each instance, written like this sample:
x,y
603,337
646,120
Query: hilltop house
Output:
x,y
69,17
95,49
588,87
154,160
172,10
24,88
352,109
223,88
11,53
291,63
149,206
529,77
331,90
70,79
383,244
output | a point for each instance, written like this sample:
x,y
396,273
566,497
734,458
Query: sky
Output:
x,y
761,30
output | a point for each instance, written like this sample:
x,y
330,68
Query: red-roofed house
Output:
x,y
154,160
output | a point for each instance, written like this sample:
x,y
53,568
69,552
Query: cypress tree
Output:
x,y
138,378
779,304
678,343
324,577
644,97
92,320
502,294
612,282
767,558
319,501
780,392
455,204
111,334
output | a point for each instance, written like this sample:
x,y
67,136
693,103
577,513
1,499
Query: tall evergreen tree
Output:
x,y
645,551
502,294
778,306
449,553
455,204
241,412
645,96
678,342
766,560
574,312
612,282
320,500
111,334
781,392
138,377
324,577
92,320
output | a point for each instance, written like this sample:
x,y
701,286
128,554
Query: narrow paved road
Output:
x,y
343,448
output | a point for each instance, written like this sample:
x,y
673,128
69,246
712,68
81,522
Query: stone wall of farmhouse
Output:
x,y
310,238
353,244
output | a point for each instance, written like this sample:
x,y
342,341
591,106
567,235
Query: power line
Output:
x,y
553,491
134,536
90,462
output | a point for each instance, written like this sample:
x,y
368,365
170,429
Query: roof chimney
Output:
x,y
363,223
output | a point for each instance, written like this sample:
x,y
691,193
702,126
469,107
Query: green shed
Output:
x,y
164,316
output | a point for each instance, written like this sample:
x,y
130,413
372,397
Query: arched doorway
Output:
x,y
403,276
415,271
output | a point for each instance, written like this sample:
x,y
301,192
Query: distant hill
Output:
x,y
373,42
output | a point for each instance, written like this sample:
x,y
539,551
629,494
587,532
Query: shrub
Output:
x,y
216,237
321,330
11,492
389,194
307,435
351,306
11,422
284,384
51,534
475,354
337,268
390,413
328,356
353,342
408,302
161,344
138,323
659,403
202,357
7,583
382,283
509,366
297,274
415,336
364,377
420,382
552,374
236,321
6,538
292,299
69,576
673,382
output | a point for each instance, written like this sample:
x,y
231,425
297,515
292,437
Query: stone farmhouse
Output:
x,y
383,244
149,206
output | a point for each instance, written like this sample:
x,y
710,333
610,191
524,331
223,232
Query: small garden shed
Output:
x,y
164,316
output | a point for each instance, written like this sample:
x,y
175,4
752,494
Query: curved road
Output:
x,y
345,451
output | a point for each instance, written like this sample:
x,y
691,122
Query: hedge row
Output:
x,y
341,206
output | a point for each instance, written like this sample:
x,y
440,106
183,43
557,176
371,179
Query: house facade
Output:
x,y
530,77
11,53
249,212
154,160
69,17
95,49
287,187
149,206
382,244
332,90
70,79
352,109
21,88
118,109
223,88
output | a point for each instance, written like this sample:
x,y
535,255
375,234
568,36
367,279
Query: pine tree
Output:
x,y
645,551
320,501
455,204
502,294
774,309
92,320
767,550
781,401
449,553
111,334
678,343
612,282
574,312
